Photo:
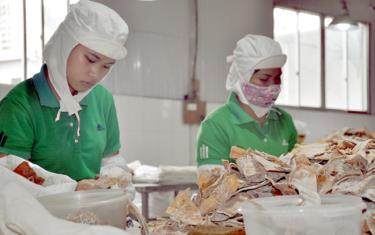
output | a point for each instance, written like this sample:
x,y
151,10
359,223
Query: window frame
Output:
x,y
322,107
23,65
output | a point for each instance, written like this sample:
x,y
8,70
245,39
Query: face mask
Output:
x,y
259,98
263,96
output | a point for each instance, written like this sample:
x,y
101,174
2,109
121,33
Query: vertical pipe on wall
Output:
x,y
193,75
298,72
42,36
346,64
24,49
322,62
196,38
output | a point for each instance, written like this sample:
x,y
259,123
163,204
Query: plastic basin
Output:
x,y
105,207
284,215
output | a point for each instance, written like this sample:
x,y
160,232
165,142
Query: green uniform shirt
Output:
x,y
28,129
230,126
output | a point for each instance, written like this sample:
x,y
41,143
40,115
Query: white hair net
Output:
x,y
252,52
92,25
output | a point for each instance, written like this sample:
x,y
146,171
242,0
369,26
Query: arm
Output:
x,y
113,164
16,129
293,135
112,157
113,145
212,146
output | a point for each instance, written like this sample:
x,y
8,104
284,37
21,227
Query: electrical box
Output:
x,y
194,109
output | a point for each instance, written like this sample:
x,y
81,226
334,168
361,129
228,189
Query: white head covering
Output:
x,y
252,52
93,25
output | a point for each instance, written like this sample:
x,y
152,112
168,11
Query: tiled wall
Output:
x,y
152,131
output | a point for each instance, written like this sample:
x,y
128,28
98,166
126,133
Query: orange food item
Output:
x,y
26,171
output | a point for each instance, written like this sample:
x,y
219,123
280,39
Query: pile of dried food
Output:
x,y
342,163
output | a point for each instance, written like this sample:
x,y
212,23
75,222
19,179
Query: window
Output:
x,y
299,36
10,41
21,45
346,71
345,77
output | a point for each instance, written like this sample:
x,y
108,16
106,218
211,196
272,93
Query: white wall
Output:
x,y
4,89
221,23
161,34
152,131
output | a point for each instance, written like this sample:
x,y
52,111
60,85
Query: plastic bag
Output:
x,y
53,183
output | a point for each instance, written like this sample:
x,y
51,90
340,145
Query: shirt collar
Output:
x,y
46,96
274,114
240,116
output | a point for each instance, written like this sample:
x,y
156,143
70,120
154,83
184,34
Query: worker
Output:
x,y
62,119
249,119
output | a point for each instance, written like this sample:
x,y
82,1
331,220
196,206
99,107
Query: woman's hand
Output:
x,y
87,184
3,154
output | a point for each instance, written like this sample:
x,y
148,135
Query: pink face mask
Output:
x,y
262,96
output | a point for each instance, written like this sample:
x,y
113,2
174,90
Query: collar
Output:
x,y
46,96
241,117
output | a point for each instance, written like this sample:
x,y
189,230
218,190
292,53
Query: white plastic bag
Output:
x,y
22,214
54,183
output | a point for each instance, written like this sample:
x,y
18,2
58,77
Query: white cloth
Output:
x,y
54,183
93,25
170,174
147,173
22,214
178,174
252,52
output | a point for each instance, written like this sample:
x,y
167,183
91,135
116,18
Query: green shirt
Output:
x,y
230,125
28,129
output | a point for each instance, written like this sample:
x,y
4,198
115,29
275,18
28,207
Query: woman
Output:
x,y
248,119
61,119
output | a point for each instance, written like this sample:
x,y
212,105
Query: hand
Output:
x,y
3,154
87,184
